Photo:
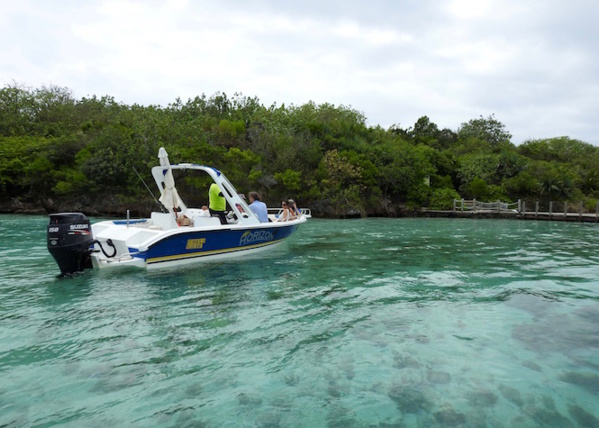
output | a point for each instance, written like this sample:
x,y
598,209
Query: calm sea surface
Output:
x,y
353,323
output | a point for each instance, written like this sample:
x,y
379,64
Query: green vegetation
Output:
x,y
57,152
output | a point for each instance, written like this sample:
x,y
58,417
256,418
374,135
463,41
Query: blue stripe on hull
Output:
x,y
198,244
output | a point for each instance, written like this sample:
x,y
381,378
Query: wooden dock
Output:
x,y
543,216
580,217
475,209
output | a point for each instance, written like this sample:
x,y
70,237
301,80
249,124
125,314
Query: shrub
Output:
x,y
442,199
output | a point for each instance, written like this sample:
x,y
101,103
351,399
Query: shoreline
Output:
x,y
422,213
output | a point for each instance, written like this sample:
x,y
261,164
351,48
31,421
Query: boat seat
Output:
x,y
165,221
194,212
201,221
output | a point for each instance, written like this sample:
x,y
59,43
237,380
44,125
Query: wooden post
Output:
x,y
536,209
474,205
580,210
565,210
523,211
462,204
597,212
550,209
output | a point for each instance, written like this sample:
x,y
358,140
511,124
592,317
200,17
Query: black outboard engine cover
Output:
x,y
69,241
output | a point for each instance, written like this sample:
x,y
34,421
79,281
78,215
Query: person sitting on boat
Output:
x,y
217,203
205,212
294,209
292,214
284,214
258,207
183,220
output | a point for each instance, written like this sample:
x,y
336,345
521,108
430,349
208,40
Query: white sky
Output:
x,y
531,63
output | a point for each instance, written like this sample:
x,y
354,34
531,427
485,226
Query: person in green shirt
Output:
x,y
217,203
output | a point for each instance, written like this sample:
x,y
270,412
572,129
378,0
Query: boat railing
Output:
x,y
277,211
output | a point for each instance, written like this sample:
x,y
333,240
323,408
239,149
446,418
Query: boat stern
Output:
x,y
119,244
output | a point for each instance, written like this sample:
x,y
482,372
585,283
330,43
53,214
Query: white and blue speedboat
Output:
x,y
181,235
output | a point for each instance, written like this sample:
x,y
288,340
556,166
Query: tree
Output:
x,y
23,166
477,166
242,166
291,180
562,149
510,164
54,111
442,199
555,182
478,188
340,184
425,132
522,185
17,111
489,130
402,170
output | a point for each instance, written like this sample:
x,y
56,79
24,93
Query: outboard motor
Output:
x,y
69,241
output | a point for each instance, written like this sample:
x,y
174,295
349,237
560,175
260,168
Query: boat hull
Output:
x,y
190,245
211,244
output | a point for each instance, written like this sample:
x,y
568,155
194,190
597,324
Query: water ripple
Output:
x,y
378,322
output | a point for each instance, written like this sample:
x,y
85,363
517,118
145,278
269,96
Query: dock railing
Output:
x,y
537,210
473,205
559,209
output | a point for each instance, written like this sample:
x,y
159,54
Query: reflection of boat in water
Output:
x,y
180,236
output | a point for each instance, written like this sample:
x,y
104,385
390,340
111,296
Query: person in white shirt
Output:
x,y
284,214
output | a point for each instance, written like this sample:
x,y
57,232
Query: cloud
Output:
x,y
532,64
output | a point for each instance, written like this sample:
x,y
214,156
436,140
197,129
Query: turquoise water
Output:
x,y
353,323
